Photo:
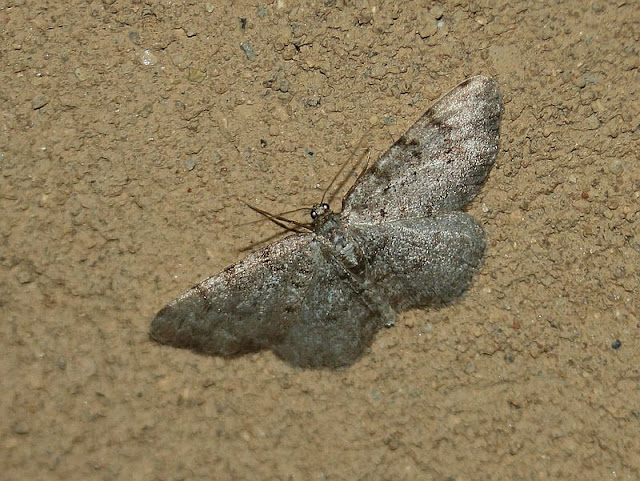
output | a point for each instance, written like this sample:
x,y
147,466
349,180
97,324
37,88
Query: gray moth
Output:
x,y
401,241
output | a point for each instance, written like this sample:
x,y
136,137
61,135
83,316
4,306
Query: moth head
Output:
x,y
319,210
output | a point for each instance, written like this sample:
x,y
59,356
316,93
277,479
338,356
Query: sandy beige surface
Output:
x,y
132,132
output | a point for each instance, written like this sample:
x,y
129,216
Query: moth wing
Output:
x,y
439,164
292,297
242,309
422,262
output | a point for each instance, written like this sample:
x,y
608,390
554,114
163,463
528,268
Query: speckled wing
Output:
x,y
427,261
439,164
292,297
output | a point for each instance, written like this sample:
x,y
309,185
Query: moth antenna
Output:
x,y
281,214
340,185
299,227
362,172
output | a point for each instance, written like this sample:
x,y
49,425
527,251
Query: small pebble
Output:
x,y
248,50
25,276
428,29
80,74
38,102
375,395
190,164
135,37
148,58
196,75
617,344
616,167
427,328
20,428
437,12
180,61
313,101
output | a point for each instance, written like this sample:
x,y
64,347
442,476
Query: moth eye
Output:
x,y
314,214
325,207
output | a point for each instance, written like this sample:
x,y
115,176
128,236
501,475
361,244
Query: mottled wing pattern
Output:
x,y
292,297
439,164
318,299
428,261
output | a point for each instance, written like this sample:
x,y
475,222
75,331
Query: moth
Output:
x,y
400,241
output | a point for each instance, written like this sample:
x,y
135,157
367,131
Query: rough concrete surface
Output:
x,y
131,133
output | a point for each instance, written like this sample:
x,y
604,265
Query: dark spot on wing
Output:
x,y
409,141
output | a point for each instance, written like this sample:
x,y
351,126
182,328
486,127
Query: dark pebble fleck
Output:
x,y
617,344
135,37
